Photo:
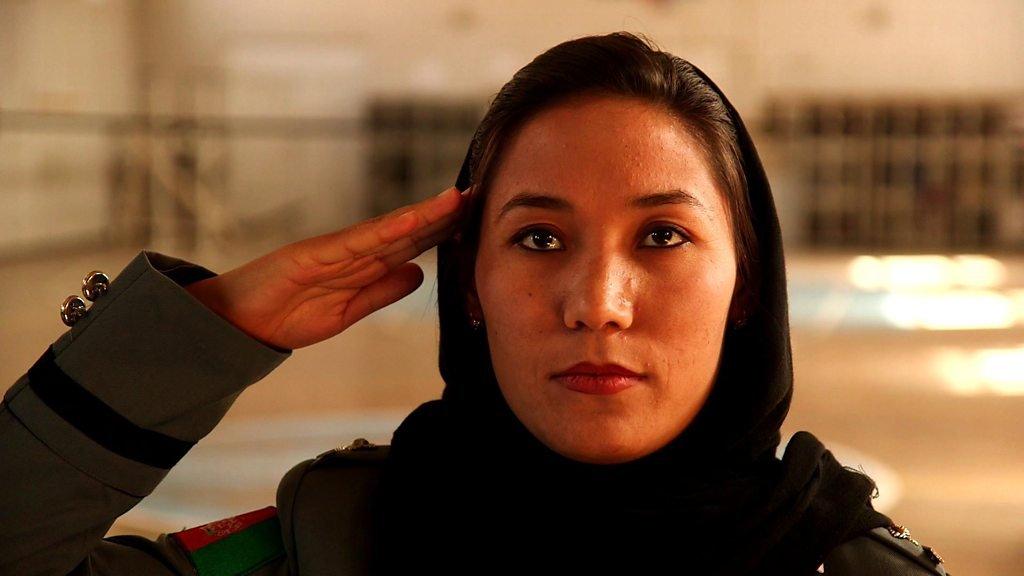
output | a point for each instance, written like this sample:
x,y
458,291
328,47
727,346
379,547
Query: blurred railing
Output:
x,y
905,174
188,182
100,179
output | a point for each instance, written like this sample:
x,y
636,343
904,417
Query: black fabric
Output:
x,y
465,478
92,417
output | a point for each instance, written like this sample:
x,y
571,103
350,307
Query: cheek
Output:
x,y
699,291
509,295
518,319
517,304
689,317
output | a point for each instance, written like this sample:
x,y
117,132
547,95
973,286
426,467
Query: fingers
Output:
x,y
368,268
376,234
394,286
411,247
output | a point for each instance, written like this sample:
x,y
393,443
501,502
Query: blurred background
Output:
x,y
218,130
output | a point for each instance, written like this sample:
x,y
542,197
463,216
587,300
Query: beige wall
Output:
x,y
82,55
58,56
322,58
906,47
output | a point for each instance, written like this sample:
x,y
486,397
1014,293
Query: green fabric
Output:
x,y
241,553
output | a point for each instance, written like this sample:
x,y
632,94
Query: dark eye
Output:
x,y
663,236
540,237
548,242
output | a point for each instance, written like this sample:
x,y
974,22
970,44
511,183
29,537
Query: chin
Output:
x,y
603,456
598,448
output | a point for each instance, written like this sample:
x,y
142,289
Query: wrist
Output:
x,y
208,293
213,294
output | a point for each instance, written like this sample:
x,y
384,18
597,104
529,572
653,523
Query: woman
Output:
x,y
614,344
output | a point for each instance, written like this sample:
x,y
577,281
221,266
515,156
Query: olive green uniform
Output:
x,y
167,369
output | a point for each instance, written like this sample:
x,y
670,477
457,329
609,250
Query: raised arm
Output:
x,y
108,409
101,417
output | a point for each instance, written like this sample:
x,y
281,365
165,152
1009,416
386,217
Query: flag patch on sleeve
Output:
x,y
236,545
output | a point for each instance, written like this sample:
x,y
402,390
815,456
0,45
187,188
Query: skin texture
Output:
x,y
604,283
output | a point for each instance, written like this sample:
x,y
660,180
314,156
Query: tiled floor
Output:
x,y
949,459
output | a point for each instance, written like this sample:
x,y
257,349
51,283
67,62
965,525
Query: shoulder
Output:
x,y
326,505
360,462
884,551
340,476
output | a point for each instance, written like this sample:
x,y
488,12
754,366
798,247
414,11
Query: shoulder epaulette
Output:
x,y
360,449
236,545
898,538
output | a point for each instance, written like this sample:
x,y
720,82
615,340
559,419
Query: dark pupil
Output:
x,y
537,235
665,235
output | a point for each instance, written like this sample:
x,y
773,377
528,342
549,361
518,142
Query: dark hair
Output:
x,y
621,64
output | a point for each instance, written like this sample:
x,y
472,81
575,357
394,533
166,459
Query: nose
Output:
x,y
599,294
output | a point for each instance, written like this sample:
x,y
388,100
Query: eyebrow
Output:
x,y
538,200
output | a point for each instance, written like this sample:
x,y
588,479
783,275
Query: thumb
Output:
x,y
390,288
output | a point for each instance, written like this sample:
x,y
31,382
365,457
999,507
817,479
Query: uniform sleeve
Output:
x,y
101,417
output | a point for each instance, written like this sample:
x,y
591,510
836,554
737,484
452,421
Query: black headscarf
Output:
x,y
467,481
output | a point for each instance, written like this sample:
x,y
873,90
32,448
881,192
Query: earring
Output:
x,y
475,323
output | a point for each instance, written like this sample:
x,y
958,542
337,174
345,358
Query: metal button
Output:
x,y
72,310
95,285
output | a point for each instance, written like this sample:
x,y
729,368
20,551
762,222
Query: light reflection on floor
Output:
x,y
936,415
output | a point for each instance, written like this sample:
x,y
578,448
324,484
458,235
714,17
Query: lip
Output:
x,y
599,385
591,369
600,379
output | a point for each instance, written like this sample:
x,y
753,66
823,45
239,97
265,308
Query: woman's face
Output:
x,y
603,259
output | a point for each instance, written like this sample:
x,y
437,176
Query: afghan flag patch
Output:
x,y
236,545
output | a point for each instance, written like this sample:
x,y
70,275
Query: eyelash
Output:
x,y
528,231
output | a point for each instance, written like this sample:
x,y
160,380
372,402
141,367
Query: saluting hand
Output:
x,y
310,290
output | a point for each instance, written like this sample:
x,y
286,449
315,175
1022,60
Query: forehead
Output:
x,y
610,149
